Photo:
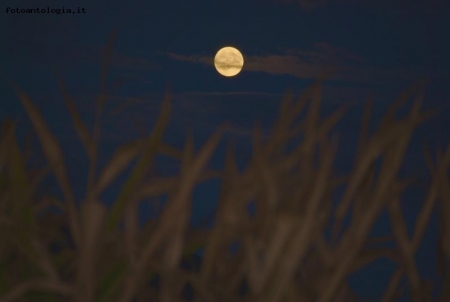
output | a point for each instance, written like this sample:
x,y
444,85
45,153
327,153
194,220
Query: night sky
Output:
x,y
369,48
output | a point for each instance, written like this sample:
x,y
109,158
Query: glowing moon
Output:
x,y
228,61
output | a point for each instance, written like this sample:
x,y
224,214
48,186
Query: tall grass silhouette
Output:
x,y
84,254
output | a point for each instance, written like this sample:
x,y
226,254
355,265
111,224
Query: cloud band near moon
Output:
x,y
336,63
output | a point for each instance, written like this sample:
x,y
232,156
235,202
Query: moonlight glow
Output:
x,y
228,61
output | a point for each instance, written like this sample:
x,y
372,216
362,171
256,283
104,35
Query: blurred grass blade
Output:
x,y
352,244
175,216
54,156
93,215
7,137
404,244
98,115
80,127
226,212
142,166
401,100
20,188
110,284
364,129
121,158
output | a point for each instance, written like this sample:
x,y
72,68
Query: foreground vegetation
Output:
x,y
87,252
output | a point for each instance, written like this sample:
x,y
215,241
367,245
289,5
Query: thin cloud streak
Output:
x,y
325,60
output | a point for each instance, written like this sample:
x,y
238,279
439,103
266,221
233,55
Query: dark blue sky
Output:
x,y
374,48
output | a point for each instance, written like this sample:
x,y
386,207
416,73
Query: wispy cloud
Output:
x,y
324,59
302,64
195,58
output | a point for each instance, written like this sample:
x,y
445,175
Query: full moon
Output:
x,y
228,61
